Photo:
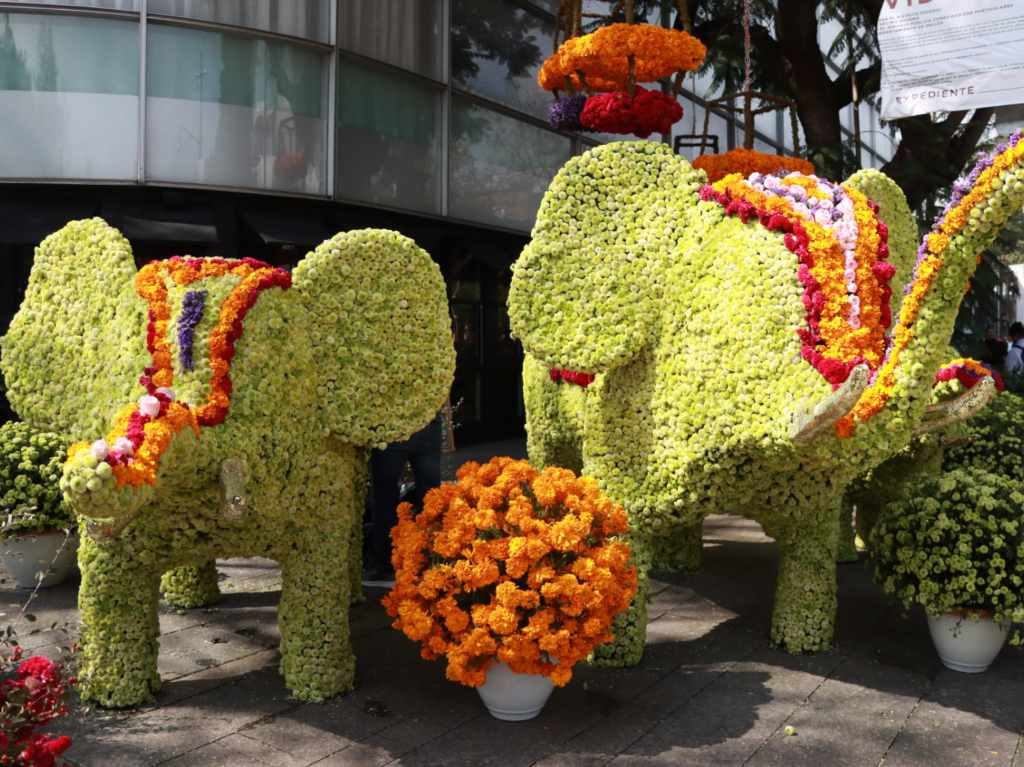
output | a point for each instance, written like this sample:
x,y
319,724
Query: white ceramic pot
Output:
x,y
514,697
966,643
25,556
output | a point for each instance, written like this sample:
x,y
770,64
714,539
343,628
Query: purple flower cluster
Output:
x,y
564,113
960,189
191,313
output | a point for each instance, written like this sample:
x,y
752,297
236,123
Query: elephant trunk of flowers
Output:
x,y
91,490
946,261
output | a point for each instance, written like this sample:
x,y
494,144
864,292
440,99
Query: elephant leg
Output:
x,y
680,550
846,550
191,586
804,616
360,489
630,627
316,652
118,601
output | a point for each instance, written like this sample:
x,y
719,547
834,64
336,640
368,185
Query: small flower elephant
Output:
x,y
225,407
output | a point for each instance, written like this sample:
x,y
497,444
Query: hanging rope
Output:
x,y
748,113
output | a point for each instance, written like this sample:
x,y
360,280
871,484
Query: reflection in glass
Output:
x,y
234,111
68,97
405,33
309,19
497,48
107,5
389,138
499,166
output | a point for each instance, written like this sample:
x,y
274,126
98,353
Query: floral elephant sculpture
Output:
x,y
251,395
733,340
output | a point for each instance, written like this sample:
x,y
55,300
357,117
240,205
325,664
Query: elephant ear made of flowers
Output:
x,y
382,339
74,350
741,334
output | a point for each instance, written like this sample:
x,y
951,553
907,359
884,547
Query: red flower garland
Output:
x,y
797,241
571,376
645,113
968,372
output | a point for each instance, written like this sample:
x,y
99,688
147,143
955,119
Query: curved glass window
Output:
x,y
308,19
497,49
69,97
500,167
389,138
235,111
405,33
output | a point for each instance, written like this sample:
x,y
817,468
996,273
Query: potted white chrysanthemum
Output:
x,y
37,530
955,546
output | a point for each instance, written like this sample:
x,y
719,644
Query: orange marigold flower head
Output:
x,y
512,564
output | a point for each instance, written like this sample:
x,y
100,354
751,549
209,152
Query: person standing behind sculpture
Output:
x,y
1015,357
423,453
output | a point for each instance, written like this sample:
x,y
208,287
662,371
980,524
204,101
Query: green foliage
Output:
x,y
993,440
31,462
956,543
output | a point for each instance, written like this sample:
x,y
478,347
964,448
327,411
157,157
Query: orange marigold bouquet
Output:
x,y
513,564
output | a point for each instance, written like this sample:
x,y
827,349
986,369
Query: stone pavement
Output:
x,y
710,691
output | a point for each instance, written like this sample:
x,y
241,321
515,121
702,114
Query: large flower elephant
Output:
x,y
735,341
225,406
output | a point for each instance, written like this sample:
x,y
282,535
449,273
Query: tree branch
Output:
x,y
932,155
869,80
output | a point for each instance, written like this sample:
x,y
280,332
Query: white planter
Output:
x,y
24,556
965,643
514,697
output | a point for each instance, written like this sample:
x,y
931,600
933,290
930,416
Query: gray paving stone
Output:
x,y
964,719
709,689
726,723
850,720
234,750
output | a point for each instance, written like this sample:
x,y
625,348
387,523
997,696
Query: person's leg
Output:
x,y
386,467
425,457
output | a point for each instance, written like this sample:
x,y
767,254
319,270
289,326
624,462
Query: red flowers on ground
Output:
x,y
33,694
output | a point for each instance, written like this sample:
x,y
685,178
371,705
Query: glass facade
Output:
x,y
389,136
307,19
500,166
426,106
235,111
409,35
497,49
69,96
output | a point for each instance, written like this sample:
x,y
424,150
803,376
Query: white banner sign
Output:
x,y
946,55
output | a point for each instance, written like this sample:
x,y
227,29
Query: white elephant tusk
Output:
x,y
967,405
810,421
234,474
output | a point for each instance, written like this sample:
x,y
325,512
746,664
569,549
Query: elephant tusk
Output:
x,y
967,405
810,421
234,475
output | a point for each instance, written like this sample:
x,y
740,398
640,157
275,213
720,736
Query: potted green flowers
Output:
x,y
37,542
955,546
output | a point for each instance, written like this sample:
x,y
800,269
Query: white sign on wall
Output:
x,y
946,55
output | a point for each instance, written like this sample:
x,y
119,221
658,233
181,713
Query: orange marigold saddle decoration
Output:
x,y
842,248
142,431
514,564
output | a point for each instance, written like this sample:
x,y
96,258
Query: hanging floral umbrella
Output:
x,y
607,66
